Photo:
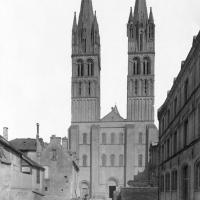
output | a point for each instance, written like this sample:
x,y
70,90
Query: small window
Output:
x,y
38,176
112,160
79,88
54,155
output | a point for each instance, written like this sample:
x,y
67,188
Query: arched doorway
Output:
x,y
84,190
112,184
185,182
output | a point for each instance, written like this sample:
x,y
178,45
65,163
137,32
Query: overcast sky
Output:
x,y
35,58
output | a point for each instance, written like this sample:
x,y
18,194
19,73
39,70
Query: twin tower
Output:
x,y
86,65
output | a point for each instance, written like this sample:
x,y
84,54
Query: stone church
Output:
x,y
111,150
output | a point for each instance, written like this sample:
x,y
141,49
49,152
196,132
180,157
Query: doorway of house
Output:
x,y
111,191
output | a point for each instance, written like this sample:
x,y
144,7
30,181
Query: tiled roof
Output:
x,y
23,144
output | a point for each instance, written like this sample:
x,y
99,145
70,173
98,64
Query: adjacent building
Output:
x,y
21,177
61,169
111,150
179,132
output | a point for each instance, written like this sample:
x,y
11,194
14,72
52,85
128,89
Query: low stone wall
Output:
x,y
145,193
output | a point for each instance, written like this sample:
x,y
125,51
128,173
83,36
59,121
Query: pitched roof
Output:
x,y
113,116
24,144
19,153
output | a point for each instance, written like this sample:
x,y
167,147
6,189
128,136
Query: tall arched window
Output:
x,y
140,138
146,87
103,160
79,88
112,160
146,66
84,160
80,68
104,138
136,66
121,160
136,87
140,157
90,65
112,138
84,138
121,138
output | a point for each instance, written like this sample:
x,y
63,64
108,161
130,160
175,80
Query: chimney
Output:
x,y
38,130
5,133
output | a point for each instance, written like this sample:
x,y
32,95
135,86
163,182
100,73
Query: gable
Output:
x,y
113,116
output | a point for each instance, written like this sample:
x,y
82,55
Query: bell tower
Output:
x,y
141,54
86,66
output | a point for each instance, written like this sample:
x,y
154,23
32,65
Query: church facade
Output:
x,y
111,150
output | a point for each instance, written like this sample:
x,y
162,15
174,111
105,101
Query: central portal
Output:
x,y
111,191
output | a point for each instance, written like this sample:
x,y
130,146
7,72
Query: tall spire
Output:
x,y
74,22
151,20
86,12
131,15
140,12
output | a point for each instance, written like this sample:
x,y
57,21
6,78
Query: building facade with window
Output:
x,y
60,179
179,132
111,150
21,177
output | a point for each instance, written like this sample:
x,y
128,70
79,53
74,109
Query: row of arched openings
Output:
x,y
135,86
104,161
88,88
112,160
113,139
85,70
136,66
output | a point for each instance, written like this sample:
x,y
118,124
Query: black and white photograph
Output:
x,y
99,100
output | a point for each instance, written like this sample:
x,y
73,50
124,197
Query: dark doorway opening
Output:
x,y
111,191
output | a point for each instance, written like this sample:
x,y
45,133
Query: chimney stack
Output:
x,y
5,133
38,130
